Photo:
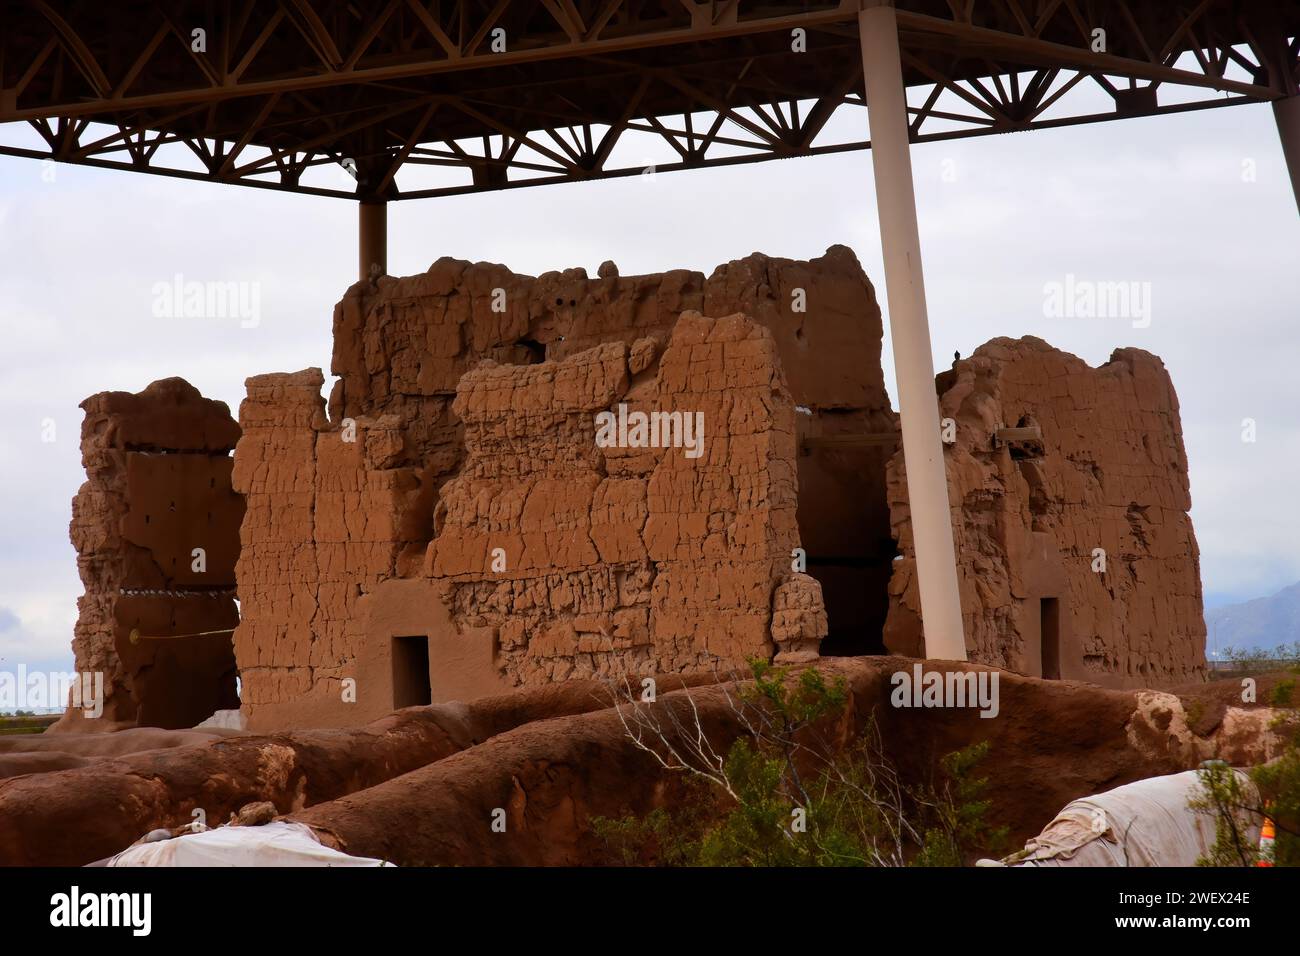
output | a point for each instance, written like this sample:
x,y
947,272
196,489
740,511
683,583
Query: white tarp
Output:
x,y
1146,823
225,720
275,844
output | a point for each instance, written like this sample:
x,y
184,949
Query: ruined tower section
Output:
x,y
401,345
401,348
156,528
1070,500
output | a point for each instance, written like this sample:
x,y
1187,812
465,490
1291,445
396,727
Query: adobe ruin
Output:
x,y
366,553
451,524
1069,495
156,528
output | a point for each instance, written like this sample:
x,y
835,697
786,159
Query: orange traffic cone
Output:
x,y
1266,837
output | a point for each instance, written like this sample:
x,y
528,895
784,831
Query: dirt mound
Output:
x,y
37,761
75,816
423,785
42,753
127,740
1050,742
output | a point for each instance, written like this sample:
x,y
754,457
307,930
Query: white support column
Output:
x,y
1287,113
909,329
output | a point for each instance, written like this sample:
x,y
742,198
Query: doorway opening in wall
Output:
x,y
855,591
411,672
844,523
1050,629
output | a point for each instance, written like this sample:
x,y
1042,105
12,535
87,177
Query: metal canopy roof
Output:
x,y
506,93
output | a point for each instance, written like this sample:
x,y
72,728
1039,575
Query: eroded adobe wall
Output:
x,y
618,561
324,523
830,355
158,487
555,557
401,348
1110,473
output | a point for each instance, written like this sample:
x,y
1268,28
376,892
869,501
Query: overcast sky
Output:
x,y
1162,201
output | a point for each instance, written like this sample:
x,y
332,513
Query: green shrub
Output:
x,y
783,797
1236,806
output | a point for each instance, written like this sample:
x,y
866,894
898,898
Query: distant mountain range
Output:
x,y
1261,624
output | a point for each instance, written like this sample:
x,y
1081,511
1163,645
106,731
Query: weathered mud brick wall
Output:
x,y
401,347
323,524
830,354
1109,473
595,560
158,487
